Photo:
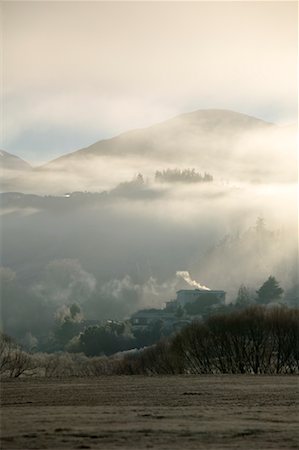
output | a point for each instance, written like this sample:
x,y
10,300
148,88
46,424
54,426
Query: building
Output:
x,y
143,318
185,296
189,304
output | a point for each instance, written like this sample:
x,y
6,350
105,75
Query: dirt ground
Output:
x,y
175,412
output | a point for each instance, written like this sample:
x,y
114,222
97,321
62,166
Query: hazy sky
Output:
x,y
76,72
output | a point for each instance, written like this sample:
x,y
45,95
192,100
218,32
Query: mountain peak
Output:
x,y
142,141
9,161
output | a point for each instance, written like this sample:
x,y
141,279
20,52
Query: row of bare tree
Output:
x,y
258,340
14,362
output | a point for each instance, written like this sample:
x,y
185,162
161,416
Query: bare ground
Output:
x,y
175,412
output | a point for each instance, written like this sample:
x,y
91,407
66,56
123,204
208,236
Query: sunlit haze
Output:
x,y
77,72
148,157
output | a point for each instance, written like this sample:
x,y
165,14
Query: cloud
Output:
x,y
227,145
73,313
7,275
72,119
65,281
112,237
120,297
114,255
105,67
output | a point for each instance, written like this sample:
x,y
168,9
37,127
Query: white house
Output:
x,y
185,296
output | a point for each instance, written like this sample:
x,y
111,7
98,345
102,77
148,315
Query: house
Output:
x,y
189,304
145,317
185,296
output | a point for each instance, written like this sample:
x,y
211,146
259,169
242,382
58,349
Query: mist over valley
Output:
x,y
232,146
107,227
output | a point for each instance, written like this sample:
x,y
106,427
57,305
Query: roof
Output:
x,y
206,291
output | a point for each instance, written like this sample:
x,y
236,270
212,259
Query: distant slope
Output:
x,y
201,129
228,145
12,162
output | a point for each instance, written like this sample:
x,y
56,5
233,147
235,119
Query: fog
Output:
x,y
132,247
76,72
97,231
232,147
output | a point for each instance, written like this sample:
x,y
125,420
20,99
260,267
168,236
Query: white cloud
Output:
x,y
106,67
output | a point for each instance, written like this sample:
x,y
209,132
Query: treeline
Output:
x,y
257,340
182,176
15,362
102,338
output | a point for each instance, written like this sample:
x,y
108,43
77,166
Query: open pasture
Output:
x,y
161,412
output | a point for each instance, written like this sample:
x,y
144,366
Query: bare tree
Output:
x,y
19,364
7,346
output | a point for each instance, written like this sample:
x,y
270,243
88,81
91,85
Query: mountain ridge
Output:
x,y
11,161
227,144
204,116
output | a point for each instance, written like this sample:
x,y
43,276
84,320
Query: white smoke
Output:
x,y
65,281
186,276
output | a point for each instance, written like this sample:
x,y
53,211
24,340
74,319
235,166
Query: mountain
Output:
x,y
12,162
228,145
201,129
14,172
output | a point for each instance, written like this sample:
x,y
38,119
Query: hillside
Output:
x,y
163,139
230,145
12,162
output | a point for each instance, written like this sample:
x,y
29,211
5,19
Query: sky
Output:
x,y
77,72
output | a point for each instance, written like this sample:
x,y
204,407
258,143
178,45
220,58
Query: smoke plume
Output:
x,y
186,276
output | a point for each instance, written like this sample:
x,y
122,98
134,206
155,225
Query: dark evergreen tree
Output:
x,y
106,339
243,297
270,291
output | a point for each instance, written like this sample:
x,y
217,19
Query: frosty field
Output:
x,y
120,412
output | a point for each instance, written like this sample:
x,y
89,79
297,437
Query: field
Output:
x,y
175,412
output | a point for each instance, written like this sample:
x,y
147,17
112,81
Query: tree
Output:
x,y
260,226
181,176
254,340
150,334
75,310
105,339
270,291
20,363
179,312
65,331
68,325
243,296
203,305
7,347
13,360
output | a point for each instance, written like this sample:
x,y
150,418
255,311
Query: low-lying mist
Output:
x,y
119,251
101,231
228,145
